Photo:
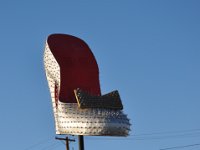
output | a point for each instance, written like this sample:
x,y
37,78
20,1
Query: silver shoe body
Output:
x,y
70,119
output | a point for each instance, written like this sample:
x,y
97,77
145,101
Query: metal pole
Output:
x,y
81,142
67,140
67,143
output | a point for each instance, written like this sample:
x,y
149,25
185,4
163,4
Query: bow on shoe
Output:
x,y
111,100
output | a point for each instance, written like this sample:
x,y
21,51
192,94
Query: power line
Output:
x,y
49,147
167,132
37,144
176,147
137,137
152,136
186,135
43,145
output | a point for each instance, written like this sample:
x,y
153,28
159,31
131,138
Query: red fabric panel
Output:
x,y
78,66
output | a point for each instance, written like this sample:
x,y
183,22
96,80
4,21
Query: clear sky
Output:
x,y
147,49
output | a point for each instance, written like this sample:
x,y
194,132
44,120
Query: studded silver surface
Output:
x,y
70,119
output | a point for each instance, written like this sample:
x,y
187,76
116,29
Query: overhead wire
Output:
x,y
178,147
186,135
157,135
167,132
37,144
137,137
52,146
43,145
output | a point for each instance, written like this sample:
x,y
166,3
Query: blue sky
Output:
x,y
148,50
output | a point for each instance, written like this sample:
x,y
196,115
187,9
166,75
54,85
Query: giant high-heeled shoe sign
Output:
x,y
73,77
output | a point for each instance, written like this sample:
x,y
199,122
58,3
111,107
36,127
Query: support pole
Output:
x,y
67,143
67,140
81,142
